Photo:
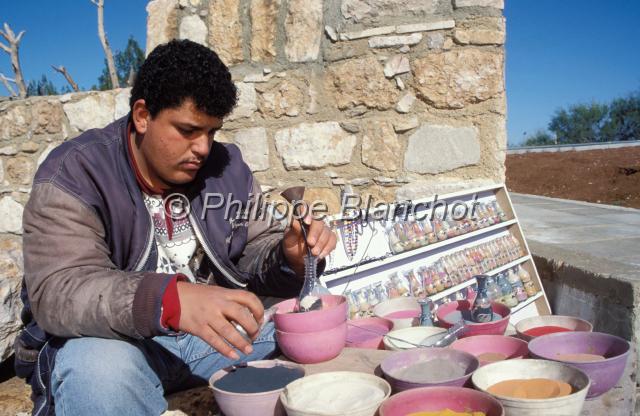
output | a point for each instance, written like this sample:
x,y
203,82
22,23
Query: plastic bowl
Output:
x,y
570,405
313,347
570,322
364,392
241,404
433,399
367,332
396,362
399,305
489,328
414,335
603,374
499,344
334,312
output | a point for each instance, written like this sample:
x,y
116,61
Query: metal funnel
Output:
x,y
295,193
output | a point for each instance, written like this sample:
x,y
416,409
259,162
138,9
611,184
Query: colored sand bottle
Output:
x,y
530,288
426,308
521,294
481,311
508,293
494,292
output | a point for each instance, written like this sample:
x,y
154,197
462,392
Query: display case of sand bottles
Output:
x,y
432,248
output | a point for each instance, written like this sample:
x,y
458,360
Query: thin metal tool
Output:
x,y
452,334
309,298
420,345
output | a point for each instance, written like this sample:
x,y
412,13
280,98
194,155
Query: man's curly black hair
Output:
x,y
180,70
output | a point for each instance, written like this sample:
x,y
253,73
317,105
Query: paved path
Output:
x,y
602,231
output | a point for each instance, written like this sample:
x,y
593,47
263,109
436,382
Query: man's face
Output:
x,y
173,145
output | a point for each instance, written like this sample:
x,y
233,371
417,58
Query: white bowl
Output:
x,y
382,309
322,394
393,340
570,322
571,405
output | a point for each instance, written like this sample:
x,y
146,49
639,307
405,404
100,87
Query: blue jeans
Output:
x,y
95,376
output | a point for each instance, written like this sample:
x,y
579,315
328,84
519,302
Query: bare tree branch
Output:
x,y
8,86
131,78
13,50
61,69
19,37
105,44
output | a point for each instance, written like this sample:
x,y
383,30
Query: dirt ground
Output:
x,y
14,392
608,176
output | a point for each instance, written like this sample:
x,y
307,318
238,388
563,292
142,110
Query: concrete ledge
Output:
x,y
603,292
606,293
543,200
577,147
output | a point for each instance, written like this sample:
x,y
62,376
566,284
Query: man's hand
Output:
x,y
207,312
320,239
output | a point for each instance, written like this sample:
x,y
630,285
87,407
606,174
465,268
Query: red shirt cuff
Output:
x,y
171,304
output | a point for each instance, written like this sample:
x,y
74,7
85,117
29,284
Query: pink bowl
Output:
x,y
313,347
481,344
367,332
240,404
334,312
489,328
393,366
434,399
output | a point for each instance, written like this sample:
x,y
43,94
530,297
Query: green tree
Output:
x,y
539,138
126,61
624,118
581,123
42,87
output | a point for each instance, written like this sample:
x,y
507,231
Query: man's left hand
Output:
x,y
320,239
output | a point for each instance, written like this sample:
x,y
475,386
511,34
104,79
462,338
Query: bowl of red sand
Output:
x,y
452,312
425,367
367,332
333,313
602,357
491,348
404,312
441,401
535,326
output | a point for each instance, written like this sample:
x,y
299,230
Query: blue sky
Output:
x,y
65,32
563,52
559,52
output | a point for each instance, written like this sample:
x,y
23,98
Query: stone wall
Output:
x,y
29,130
398,98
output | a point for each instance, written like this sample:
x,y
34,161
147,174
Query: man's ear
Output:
x,y
141,116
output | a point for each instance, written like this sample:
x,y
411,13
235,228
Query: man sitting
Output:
x,y
133,283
